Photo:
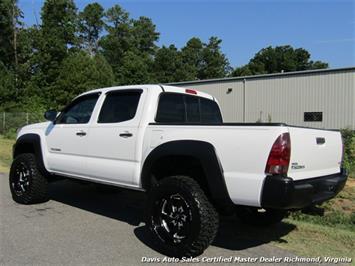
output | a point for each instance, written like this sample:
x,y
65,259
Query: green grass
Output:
x,y
352,173
312,240
338,212
330,235
5,154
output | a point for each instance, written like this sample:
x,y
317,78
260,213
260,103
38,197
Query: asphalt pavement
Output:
x,y
82,226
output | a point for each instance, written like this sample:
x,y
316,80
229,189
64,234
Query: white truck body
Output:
x,y
102,155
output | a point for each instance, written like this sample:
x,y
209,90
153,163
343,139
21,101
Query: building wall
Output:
x,y
285,98
231,102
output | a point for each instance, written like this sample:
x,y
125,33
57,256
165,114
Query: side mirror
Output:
x,y
50,115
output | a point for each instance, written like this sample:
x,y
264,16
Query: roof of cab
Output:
x,y
164,88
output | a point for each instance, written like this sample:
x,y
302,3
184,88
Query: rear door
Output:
x,y
314,152
113,137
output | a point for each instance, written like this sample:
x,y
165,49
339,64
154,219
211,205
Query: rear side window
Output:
x,y
180,108
209,111
192,109
171,108
119,106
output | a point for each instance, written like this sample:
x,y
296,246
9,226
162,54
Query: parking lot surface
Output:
x,y
82,226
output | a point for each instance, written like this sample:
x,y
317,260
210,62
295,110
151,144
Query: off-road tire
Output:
x,y
203,222
255,216
37,187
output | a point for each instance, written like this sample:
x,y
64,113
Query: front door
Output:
x,y
66,138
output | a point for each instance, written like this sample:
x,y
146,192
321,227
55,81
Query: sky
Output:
x,y
325,28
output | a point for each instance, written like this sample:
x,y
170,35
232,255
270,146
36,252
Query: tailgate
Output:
x,y
314,152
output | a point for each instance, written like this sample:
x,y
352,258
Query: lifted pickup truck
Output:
x,y
172,143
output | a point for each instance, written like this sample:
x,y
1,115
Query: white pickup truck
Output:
x,y
172,143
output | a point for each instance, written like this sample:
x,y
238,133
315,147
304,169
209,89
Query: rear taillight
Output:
x,y
279,157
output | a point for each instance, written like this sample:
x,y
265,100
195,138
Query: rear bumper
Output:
x,y
282,192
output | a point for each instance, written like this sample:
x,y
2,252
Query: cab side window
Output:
x,y
119,106
79,111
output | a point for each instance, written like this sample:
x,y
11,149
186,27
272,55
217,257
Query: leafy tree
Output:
x,y
317,65
90,26
48,64
7,88
192,58
80,72
144,36
54,39
26,63
10,16
129,39
278,59
204,60
214,63
6,32
58,27
116,42
168,65
136,70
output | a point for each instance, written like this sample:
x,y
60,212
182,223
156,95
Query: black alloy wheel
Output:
x,y
182,220
172,219
27,184
21,179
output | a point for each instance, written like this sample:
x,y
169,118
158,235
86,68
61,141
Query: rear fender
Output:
x,y
205,153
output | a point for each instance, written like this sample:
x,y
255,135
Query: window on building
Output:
x,y
313,116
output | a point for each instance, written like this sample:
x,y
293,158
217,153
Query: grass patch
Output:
x,y
314,240
352,173
5,154
330,235
339,212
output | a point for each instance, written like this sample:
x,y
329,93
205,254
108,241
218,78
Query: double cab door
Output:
x,y
95,137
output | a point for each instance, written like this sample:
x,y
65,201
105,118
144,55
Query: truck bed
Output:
x,y
243,150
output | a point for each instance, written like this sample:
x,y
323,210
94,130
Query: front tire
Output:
x,y
260,217
27,184
181,218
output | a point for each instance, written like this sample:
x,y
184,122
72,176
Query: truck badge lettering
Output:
x,y
296,166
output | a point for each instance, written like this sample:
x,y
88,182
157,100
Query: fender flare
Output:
x,y
33,140
206,154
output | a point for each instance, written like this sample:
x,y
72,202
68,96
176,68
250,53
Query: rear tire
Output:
x,y
260,217
182,220
27,184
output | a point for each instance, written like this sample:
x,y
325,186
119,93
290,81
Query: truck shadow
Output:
x,y
129,206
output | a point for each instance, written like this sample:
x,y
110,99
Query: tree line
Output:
x,y
71,51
